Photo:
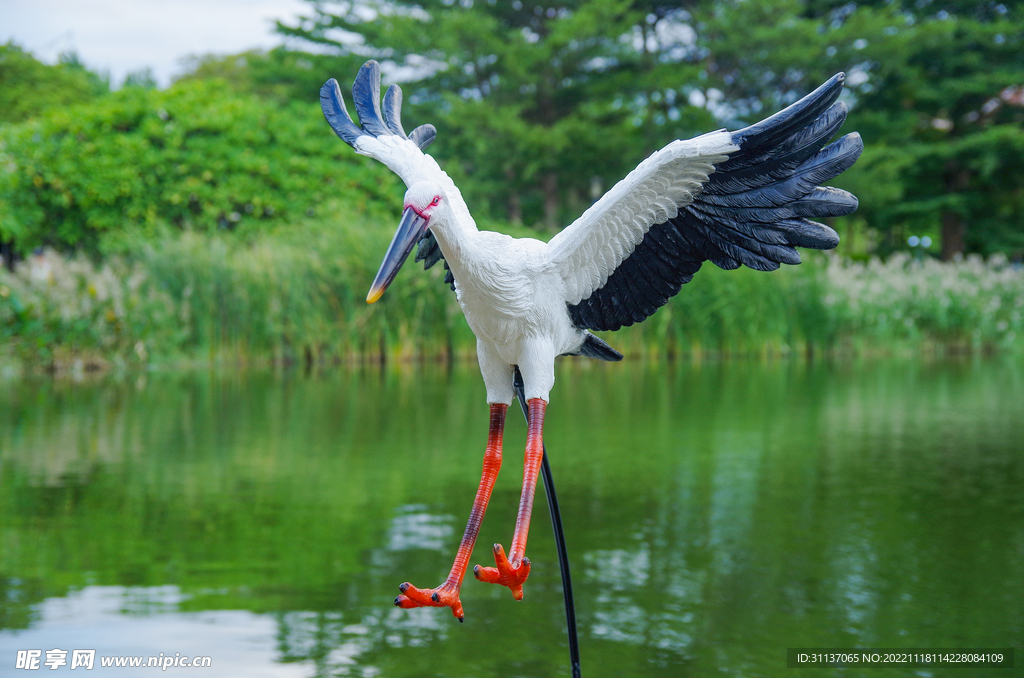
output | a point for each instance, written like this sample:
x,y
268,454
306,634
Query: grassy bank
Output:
x,y
297,296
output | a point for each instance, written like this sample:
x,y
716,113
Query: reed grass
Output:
x,y
298,296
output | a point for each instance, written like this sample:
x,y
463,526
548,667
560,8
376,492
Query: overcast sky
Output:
x,y
121,36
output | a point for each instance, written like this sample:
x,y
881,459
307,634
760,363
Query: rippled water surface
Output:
x,y
716,514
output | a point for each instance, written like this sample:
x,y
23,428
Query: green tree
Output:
x,y
29,87
142,77
936,90
194,156
537,104
280,74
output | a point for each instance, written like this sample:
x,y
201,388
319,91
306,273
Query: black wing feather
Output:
x,y
790,154
429,253
752,211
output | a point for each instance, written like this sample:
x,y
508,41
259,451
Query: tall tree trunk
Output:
x,y
550,186
7,254
953,229
954,226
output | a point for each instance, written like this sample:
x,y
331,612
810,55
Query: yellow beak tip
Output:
x,y
374,295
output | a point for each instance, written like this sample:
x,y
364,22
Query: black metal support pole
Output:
x,y
563,553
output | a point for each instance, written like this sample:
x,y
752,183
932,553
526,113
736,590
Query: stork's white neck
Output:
x,y
455,232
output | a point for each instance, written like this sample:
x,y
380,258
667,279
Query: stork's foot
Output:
x,y
506,573
445,595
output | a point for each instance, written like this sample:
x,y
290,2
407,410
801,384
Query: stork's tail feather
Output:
x,y
597,348
373,120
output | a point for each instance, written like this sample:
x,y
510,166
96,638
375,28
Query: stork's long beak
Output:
x,y
410,229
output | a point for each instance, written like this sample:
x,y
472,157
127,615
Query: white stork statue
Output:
x,y
731,198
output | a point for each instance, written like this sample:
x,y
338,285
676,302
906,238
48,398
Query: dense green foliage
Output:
x,y
299,297
537,106
196,156
538,102
280,74
243,228
29,87
936,91
291,296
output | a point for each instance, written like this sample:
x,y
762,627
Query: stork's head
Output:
x,y
423,201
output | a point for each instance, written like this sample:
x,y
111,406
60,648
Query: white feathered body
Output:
x,y
733,199
507,290
528,301
514,291
514,302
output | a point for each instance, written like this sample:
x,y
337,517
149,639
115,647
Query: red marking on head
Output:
x,y
425,212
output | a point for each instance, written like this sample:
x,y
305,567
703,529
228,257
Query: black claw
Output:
x,y
497,547
461,620
476,569
404,587
434,597
397,602
526,561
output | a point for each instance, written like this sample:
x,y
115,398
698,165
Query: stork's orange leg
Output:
x,y
447,594
513,570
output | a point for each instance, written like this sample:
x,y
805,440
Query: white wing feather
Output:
x,y
593,246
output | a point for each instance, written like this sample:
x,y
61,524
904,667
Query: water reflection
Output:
x,y
716,515
416,528
145,622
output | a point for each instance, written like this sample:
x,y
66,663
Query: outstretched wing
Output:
x,y
595,245
380,136
749,208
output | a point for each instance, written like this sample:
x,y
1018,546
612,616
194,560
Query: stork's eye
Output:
x,y
436,200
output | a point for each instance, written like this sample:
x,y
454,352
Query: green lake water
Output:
x,y
716,514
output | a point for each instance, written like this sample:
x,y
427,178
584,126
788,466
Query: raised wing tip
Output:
x,y
370,69
793,117
330,89
829,90
332,103
423,135
834,84
374,120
